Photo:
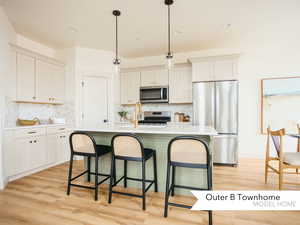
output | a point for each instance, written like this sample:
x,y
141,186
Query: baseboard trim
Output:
x,y
18,176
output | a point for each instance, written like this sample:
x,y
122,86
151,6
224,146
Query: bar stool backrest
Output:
x,y
190,150
127,145
82,142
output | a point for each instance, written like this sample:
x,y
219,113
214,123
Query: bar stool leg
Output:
x,y
70,174
210,220
167,191
144,184
89,168
125,173
155,172
173,179
96,178
112,171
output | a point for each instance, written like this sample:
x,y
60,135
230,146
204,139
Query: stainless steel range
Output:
x,y
156,118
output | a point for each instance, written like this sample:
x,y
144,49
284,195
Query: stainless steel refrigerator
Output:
x,y
215,104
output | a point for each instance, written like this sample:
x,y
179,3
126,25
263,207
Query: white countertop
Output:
x,y
148,129
34,126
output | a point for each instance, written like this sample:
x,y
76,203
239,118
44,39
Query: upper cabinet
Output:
x,y
215,68
130,87
49,82
25,78
203,71
180,85
154,78
39,79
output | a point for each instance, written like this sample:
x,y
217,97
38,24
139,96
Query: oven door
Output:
x,y
153,94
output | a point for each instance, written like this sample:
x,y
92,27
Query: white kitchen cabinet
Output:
x,y
215,68
28,150
37,152
24,154
180,85
203,71
25,78
225,69
58,147
130,87
154,78
50,82
40,79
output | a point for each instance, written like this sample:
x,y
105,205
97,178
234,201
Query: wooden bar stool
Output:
x,y
82,144
128,147
188,152
286,160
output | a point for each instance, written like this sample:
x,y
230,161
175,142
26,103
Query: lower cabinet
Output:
x,y
27,150
58,147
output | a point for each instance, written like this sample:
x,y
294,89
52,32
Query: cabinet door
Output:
x,y
65,147
52,148
25,78
162,77
38,152
203,71
130,87
50,82
44,81
21,156
13,158
58,81
154,78
180,85
225,69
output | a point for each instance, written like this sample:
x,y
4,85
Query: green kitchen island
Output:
x,y
155,137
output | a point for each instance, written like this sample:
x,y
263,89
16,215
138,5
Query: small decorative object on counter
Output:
x,y
176,117
123,115
186,118
32,122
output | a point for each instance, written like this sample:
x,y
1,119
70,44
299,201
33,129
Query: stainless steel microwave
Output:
x,y
154,94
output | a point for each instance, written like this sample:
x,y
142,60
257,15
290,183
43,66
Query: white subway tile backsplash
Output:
x,y
42,111
182,108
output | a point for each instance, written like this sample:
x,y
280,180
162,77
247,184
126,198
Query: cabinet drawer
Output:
x,y
55,130
30,132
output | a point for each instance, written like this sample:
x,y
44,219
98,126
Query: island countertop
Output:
x,y
152,129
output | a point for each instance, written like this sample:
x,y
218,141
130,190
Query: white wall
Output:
x,y
89,62
7,34
271,50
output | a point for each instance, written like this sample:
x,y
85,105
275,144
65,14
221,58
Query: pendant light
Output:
x,y
117,61
169,57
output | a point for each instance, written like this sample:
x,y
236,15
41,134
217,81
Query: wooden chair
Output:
x,y
286,160
298,145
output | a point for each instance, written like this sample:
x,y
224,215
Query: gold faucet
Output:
x,y
137,114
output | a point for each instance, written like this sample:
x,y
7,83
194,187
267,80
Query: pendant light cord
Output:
x,y
169,30
117,37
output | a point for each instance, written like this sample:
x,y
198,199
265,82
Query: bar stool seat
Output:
x,y
148,153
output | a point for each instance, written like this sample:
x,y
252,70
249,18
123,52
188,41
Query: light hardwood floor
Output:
x,y
41,199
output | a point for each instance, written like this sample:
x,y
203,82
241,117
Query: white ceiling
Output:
x,y
201,24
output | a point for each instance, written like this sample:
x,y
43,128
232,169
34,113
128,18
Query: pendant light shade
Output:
x,y
169,57
117,60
